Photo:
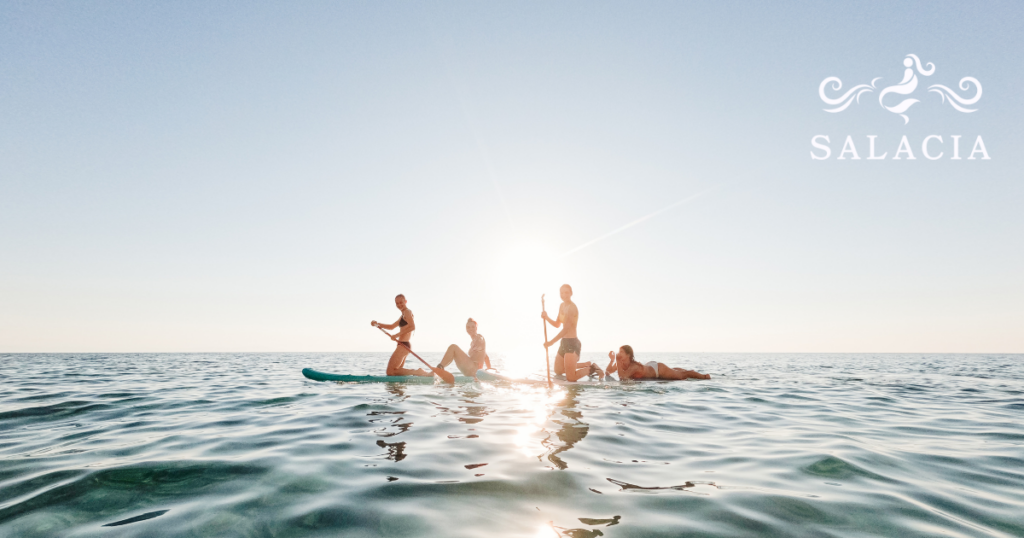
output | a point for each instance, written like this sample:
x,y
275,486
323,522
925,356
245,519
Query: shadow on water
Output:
x,y
587,533
394,423
475,410
688,486
578,533
397,389
136,519
572,429
396,451
389,421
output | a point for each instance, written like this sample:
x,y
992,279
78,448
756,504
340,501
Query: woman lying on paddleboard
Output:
x,y
628,368
476,359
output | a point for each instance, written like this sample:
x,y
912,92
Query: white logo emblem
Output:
x,y
905,87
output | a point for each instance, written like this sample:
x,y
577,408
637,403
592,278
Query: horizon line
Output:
x,y
3,353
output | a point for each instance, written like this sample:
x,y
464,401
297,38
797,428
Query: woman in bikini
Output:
x,y
406,325
475,359
625,363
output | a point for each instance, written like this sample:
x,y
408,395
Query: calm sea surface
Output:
x,y
774,445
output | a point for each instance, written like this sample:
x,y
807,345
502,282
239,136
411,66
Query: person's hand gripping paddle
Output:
x,y
447,377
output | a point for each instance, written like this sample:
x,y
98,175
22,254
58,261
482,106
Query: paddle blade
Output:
x,y
445,376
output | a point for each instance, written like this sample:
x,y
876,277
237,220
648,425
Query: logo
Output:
x,y
932,147
906,87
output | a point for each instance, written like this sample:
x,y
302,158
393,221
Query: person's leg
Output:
x,y
692,374
449,356
559,364
573,345
667,372
465,363
397,361
573,371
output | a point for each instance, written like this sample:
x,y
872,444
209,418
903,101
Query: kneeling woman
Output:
x,y
628,368
476,359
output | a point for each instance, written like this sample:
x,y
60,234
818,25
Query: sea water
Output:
x,y
773,445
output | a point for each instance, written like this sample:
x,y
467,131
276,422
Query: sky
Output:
x,y
267,176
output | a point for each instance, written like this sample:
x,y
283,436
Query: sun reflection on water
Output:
x,y
536,404
546,531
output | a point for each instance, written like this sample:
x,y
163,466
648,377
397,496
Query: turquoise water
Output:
x,y
773,445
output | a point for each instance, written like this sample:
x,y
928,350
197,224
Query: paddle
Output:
x,y
547,353
447,377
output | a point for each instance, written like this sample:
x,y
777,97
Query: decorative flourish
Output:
x,y
906,86
954,98
853,94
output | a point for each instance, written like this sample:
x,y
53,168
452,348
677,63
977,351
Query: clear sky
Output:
x,y
225,176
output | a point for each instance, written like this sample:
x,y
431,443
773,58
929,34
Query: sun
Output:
x,y
520,273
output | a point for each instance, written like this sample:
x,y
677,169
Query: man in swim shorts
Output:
x,y
568,356
475,359
627,366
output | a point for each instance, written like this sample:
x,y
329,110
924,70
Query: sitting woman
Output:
x,y
468,363
628,368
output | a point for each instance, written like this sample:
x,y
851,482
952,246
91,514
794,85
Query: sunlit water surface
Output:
x,y
773,445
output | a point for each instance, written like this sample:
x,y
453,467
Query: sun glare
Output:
x,y
524,263
520,273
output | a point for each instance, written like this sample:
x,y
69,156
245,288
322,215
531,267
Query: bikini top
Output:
x,y
478,345
401,321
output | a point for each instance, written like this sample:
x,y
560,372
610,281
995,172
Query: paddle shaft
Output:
x,y
547,352
432,369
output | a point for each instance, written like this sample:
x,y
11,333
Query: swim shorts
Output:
x,y
653,364
570,345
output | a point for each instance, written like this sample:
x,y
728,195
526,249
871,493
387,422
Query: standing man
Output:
x,y
406,325
567,359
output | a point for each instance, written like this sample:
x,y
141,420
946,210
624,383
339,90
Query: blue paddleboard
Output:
x,y
482,375
316,375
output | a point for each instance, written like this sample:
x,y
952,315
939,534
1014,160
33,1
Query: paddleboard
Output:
x,y
482,375
317,375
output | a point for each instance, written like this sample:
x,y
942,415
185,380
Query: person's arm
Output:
x,y
556,338
385,325
556,323
487,360
612,364
411,321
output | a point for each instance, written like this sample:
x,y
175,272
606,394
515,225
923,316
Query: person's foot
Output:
x,y
706,376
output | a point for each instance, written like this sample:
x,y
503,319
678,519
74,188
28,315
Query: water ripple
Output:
x,y
242,445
